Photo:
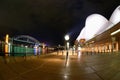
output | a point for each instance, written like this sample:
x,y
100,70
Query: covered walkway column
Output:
x,y
119,44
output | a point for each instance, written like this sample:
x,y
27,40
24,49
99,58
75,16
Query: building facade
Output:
x,y
108,41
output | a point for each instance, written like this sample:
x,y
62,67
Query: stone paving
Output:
x,y
57,67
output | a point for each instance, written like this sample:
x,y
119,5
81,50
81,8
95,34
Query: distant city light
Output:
x,y
6,38
6,43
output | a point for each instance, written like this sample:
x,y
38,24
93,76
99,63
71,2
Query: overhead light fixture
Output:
x,y
115,32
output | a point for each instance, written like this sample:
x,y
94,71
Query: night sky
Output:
x,y
49,20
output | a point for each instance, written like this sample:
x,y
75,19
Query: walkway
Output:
x,y
55,67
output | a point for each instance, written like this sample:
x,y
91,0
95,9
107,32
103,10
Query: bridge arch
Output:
x,y
26,39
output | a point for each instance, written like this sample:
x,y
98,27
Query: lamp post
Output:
x,y
67,44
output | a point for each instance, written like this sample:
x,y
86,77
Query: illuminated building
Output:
x,y
7,44
100,34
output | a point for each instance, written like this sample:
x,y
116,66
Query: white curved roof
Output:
x,y
81,35
105,27
94,23
115,17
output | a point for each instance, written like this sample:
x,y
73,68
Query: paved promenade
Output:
x,y
56,67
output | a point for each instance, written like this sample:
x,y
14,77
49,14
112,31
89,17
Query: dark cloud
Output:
x,y
50,20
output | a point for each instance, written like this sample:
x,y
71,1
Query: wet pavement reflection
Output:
x,y
61,67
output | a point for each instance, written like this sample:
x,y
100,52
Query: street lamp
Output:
x,y
67,44
67,37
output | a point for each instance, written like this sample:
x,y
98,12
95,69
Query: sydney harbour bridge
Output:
x,y
21,45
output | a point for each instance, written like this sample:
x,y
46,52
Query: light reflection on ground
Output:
x,y
79,55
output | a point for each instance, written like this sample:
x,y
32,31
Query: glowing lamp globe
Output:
x,y
67,37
